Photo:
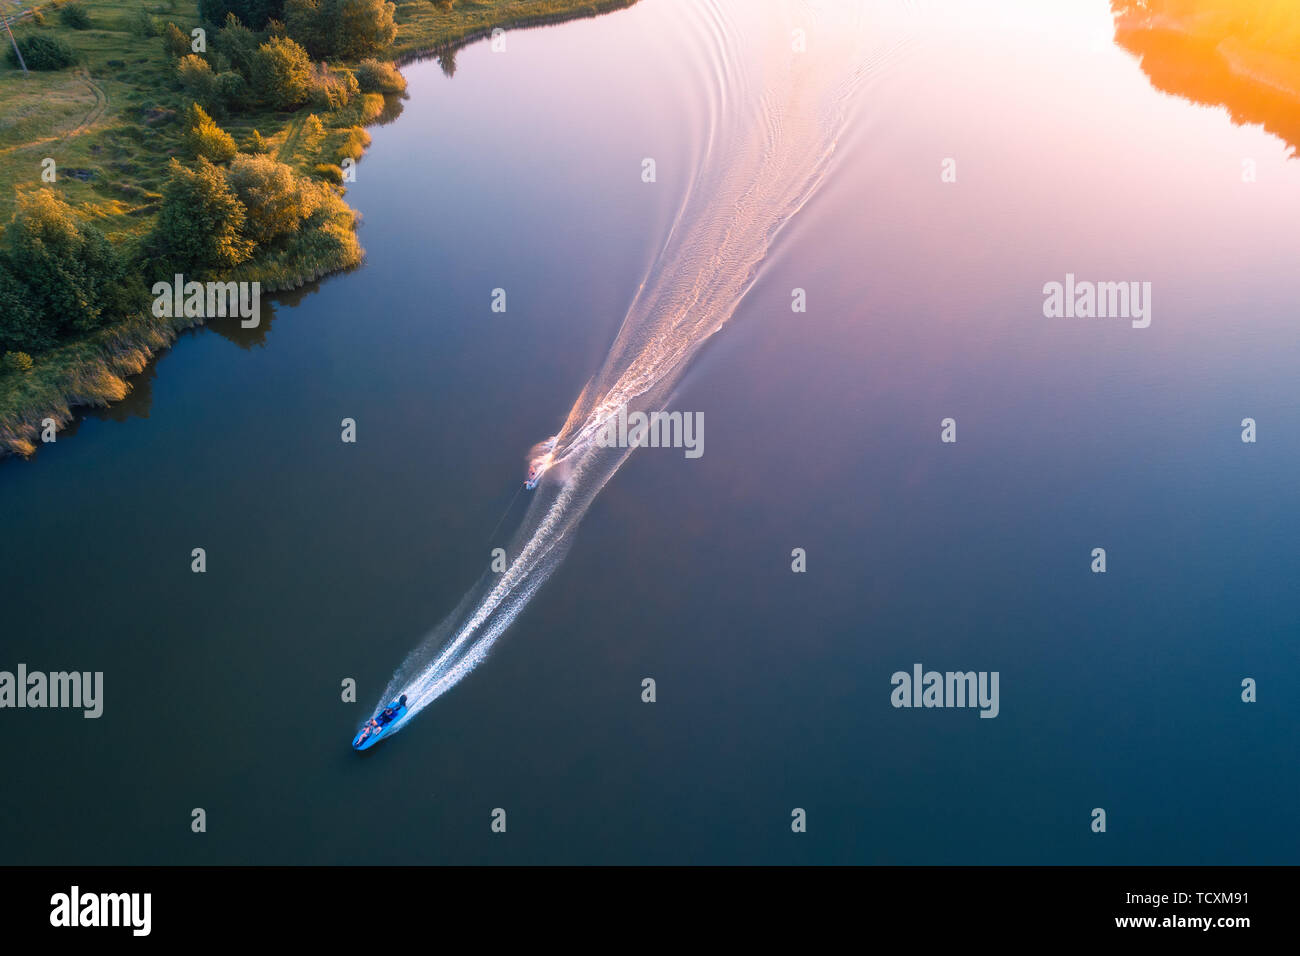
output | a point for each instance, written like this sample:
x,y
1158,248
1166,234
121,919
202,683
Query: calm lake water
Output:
x,y
524,171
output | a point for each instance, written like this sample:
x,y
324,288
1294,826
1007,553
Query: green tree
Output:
x,y
199,230
74,15
366,27
341,28
197,78
275,198
71,277
42,52
281,73
208,140
238,43
254,13
175,42
233,91
21,327
310,26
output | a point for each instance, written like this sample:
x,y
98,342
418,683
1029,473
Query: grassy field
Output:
x,y
112,123
89,120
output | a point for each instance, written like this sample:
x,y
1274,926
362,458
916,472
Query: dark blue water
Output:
x,y
329,561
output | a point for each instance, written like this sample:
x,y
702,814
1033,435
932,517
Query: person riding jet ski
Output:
x,y
390,711
378,725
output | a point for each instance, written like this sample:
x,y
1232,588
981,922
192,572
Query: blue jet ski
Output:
x,y
379,725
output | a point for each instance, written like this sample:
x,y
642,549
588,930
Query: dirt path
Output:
x,y
290,145
97,111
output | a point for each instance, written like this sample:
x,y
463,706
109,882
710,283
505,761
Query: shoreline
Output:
x,y
1245,63
95,371
592,8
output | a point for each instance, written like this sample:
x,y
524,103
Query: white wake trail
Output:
x,y
775,118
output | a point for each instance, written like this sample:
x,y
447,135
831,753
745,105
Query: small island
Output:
x,y
171,144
